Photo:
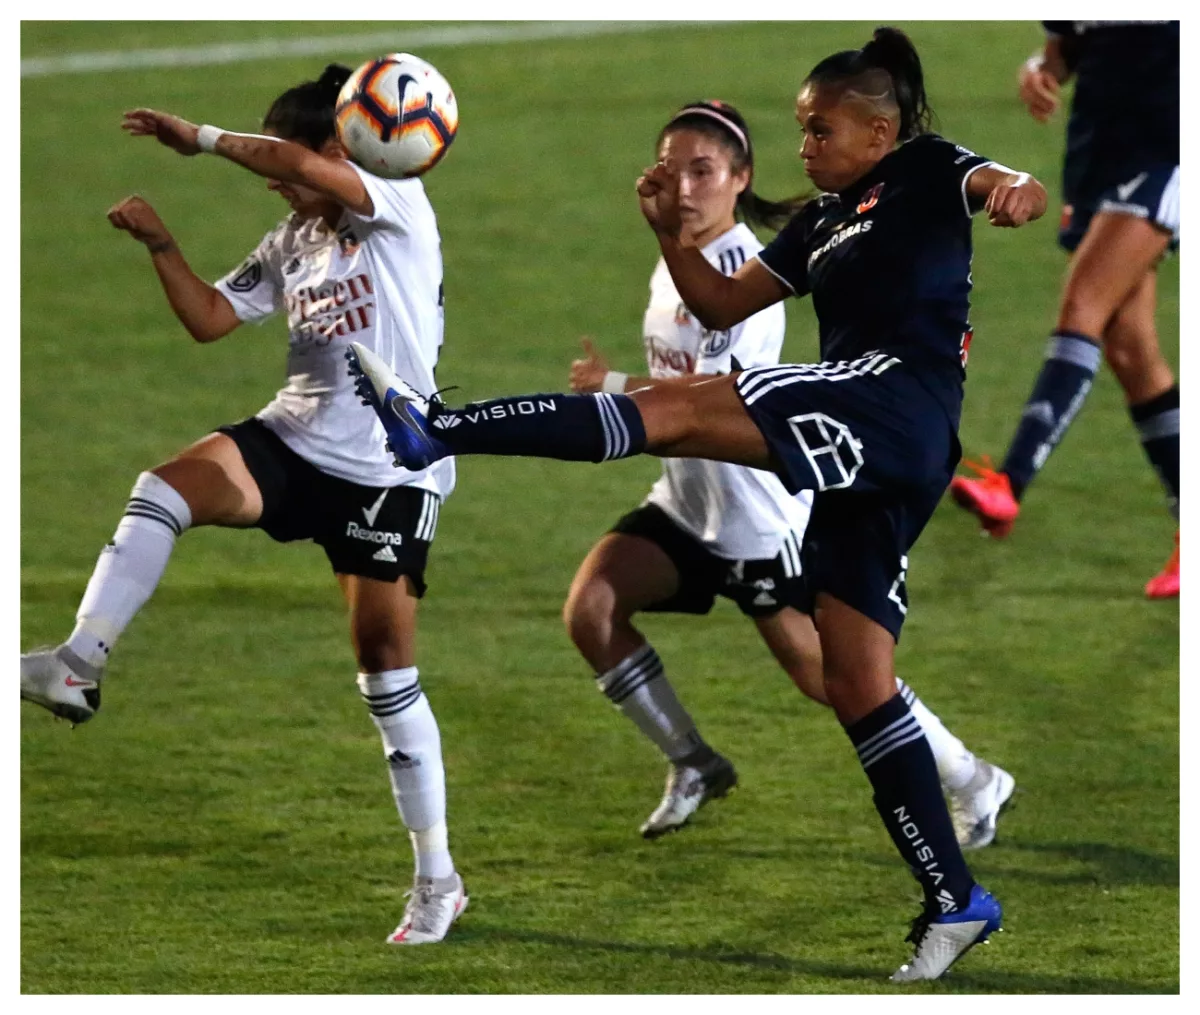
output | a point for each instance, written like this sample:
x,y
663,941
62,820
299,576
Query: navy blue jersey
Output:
x,y
888,263
1125,113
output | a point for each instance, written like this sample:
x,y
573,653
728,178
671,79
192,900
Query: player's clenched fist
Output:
x,y
139,220
658,193
1011,205
1038,89
587,374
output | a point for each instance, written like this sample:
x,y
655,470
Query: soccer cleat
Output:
x,y
941,939
433,905
48,679
975,808
1165,584
689,789
403,412
990,497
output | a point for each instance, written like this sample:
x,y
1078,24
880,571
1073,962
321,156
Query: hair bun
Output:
x,y
334,76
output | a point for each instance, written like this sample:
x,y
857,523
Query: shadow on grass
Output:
x,y
992,982
1116,865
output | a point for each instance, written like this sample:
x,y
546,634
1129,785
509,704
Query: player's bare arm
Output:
x,y
1009,198
327,171
718,301
201,308
1039,79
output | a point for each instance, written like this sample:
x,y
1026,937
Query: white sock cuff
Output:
x,y
389,693
153,497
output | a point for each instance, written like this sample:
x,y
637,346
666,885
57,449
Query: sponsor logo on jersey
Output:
x,y
662,358
869,199
964,346
838,238
319,314
247,277
292,266
356,531
683,316
387,555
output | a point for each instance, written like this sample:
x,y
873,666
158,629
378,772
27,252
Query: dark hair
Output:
x,y
305,113
887,70
725,125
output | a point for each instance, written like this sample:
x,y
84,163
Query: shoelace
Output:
x,y
420,899
984,468
919,928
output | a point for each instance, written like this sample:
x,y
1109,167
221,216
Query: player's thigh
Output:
x,y
620,575
212,477
383,621
706,420
1116,253
792,638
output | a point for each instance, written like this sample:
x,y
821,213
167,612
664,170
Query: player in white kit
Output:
x,y
359,258
711,528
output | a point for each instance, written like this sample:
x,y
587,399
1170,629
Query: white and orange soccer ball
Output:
x,y
397,116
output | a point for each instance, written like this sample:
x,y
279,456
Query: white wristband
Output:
x,y
206,137
614,382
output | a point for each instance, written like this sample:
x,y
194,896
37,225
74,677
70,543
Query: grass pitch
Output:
x,y
225,824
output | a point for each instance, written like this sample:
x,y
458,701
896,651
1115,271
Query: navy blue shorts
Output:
x,y
1152,194
879,451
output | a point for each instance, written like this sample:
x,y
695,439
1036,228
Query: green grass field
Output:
x,y
225,824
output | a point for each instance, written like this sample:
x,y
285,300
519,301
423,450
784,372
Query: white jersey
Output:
x,y
376,280
738,513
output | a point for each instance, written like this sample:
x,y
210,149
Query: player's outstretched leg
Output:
x,y
66,679
706,420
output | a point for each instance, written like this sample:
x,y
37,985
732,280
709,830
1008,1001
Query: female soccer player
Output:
x,y
872,431
359,257
709,528
1120,216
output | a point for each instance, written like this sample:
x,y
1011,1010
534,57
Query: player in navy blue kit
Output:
x,y
885,252
1120,216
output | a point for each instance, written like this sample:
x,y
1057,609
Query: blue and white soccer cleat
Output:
x,y
402,410
941,939
49,679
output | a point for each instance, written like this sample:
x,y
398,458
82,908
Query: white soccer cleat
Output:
x,y
433,905
942,939
689,789
976,807
47,679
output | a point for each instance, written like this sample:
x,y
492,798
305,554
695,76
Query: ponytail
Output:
x,y
305,113
888,71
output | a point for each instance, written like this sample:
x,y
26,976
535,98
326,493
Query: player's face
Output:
x,y
708,184
304,201
841,140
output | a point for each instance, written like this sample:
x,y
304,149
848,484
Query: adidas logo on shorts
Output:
x,y
386,554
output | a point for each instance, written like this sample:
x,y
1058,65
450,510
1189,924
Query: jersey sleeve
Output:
x,y
786,256
945,168
393,201
255,287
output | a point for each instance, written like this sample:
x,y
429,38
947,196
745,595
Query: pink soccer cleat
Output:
x,y
989,498
1165,584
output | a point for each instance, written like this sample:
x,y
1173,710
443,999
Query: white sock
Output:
x,y
955,764
413,748
129,568
637,686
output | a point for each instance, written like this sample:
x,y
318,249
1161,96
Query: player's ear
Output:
x,y
333,149
881,130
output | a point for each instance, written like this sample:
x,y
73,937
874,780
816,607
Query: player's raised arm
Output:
x,y
718,301
326,171
1009,198
200,307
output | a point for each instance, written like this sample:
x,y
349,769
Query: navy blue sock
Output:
x,y
908,795
1071,363
573,428
1157,422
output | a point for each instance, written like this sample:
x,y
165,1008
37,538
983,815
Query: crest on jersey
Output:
x,y
347,240
247,277
682,316
714,343
870,199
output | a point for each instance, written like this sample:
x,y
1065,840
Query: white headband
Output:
x,y
725,122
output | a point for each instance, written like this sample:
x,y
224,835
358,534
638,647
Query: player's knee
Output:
x,y
668,413
380,647
589,611
1086,309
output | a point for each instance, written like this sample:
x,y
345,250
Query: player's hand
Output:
x,y
1013,204
587,374
658,193
172,131
1038,89
139,220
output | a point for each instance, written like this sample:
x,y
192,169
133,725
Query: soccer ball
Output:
x,y
396,116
